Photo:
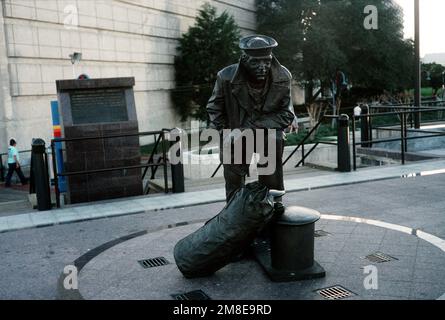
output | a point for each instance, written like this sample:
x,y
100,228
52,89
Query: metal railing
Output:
x,y
150,163
301,145
403,113
304,154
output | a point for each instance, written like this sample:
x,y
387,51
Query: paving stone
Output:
x,y
430,262
340,229
25,250
429,250
326,246
388,272
394,239
386,288
324,257
429,275
399,250
395,277
361,248
427,290
367,230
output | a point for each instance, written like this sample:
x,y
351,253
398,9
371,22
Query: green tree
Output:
x,y
319,36
207,47
433,76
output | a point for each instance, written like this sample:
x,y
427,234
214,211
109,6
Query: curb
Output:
x,y
140,205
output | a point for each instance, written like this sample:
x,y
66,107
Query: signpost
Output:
x,y
59,149
418,83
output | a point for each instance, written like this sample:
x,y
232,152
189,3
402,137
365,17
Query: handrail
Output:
x,y
216,171
76,173
139,134
24,151
306,155
412,110
300,145
403,123
150,160
438,134
406,110
402,106
412,102
85,172
304,140
410,130
402,113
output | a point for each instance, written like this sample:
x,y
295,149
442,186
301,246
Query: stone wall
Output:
x,y
118,38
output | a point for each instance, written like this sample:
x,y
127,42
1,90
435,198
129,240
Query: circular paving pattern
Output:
x,y
415,270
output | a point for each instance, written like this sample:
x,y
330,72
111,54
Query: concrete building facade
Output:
x,y
117,38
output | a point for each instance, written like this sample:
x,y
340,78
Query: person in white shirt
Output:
x,y
14,164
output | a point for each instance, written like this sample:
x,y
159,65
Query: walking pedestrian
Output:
x,y
14,164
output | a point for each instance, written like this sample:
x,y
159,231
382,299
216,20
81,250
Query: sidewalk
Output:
x,y
14,200
142,204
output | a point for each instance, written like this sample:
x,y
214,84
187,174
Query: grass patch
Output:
x,y
325,130
427,92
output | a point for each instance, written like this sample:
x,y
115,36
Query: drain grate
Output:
x,y
380,257
335,293
152,263
321,233
193,295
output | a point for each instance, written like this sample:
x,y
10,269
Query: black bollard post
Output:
x,y
177,168
40,175
289,253
344,152
366,127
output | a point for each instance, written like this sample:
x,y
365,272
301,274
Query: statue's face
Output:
x,y
258,67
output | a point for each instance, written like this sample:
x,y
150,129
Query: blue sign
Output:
x,y
58,145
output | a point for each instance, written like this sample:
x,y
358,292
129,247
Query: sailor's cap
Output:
x,y
258,45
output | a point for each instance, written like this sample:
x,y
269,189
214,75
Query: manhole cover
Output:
x,y
152,263
193,295
335,293
380,257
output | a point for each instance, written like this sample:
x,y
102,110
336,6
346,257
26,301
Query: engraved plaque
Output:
x,y
98,106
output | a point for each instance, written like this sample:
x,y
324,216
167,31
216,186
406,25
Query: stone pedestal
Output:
x,y
100,107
